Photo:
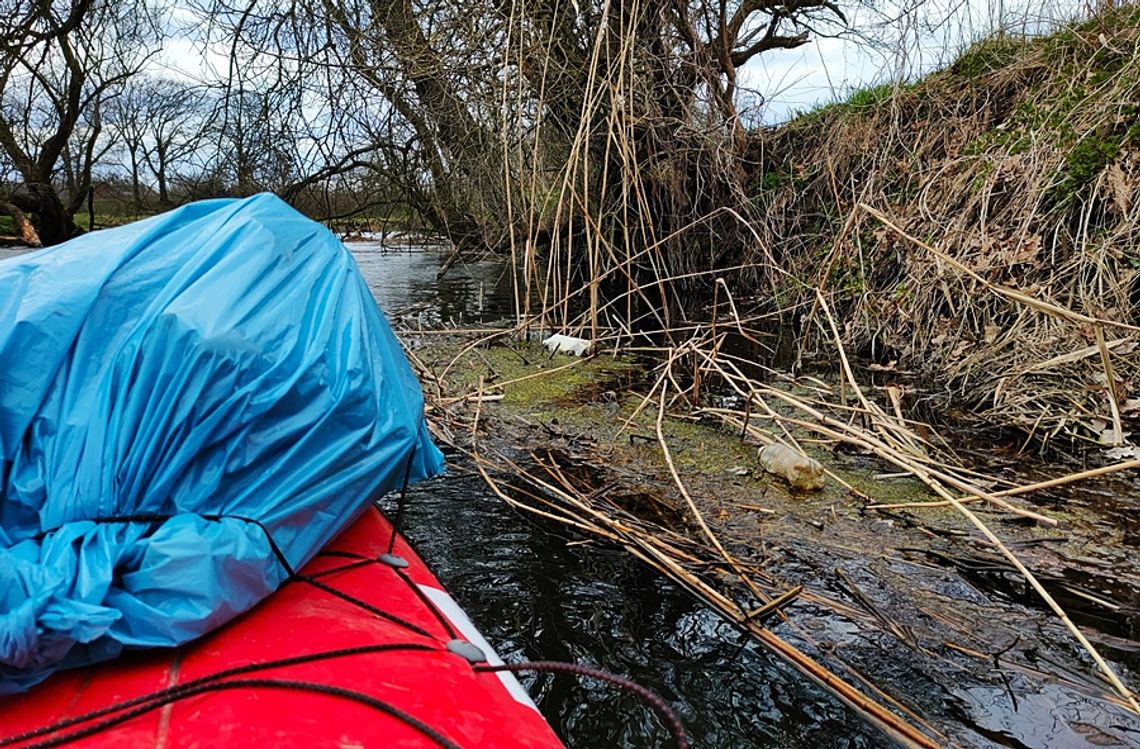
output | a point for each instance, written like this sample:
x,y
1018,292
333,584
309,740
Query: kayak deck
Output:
x,y
352,653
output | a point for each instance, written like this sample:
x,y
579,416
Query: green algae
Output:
x,y
598,399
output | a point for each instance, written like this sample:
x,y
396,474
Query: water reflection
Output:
x,y
534,596
407,285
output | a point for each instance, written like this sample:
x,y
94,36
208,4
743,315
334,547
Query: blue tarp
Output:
x,y
171,392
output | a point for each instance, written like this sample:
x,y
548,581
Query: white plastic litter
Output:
x,y
802,472
565,344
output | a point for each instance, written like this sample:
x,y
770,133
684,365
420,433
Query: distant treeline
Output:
x,y
492,124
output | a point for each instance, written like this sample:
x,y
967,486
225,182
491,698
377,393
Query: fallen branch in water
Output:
x,y
939,481
570,507
545,488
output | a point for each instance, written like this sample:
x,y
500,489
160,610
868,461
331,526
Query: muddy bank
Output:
x,y
911,605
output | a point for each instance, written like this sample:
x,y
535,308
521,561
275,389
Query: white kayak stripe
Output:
x,y
459,619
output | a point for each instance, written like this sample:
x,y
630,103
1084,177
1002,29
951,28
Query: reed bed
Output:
x,y
556,484
980,230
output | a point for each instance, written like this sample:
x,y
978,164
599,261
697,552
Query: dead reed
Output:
x,y
981,229
551,486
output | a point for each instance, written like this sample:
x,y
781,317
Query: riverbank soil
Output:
x,y
978,227
914,606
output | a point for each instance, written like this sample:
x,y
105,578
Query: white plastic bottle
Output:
x,y
802,472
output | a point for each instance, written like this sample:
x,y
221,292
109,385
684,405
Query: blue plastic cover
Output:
x,y
218,373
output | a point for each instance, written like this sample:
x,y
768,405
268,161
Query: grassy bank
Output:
x,y
1001,261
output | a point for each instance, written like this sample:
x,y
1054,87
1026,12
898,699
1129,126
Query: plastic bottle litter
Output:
x,y
802,472
564,344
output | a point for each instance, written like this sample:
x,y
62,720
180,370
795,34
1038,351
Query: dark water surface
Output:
x,y
405,284
537,594
534,596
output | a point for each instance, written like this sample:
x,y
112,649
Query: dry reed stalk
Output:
x,y
483,340
1071,478
937,481
648,397
506,155
500,385
664,560
458,331
892,430
1012,294
693,509
1074,356
1110,385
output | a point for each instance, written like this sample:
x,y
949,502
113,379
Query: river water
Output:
x,y
537,592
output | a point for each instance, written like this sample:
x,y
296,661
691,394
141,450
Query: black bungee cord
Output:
x,y
111,716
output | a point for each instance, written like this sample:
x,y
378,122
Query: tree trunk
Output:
x,y
52,221
464,159
136,186
24,229
160,176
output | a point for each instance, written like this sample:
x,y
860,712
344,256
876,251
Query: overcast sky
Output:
x,y
891,39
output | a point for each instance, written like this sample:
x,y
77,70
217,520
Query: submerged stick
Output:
x,y
1105,668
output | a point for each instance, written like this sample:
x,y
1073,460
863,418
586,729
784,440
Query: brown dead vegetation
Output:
x,y
1002,258
687,497
980,229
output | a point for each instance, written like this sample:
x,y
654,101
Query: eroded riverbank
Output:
x,y
911,601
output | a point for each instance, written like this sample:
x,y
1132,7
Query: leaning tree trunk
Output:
x,y
25,231
464,159
52,221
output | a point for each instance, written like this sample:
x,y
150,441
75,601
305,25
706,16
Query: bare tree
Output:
x,y
181,118
61,62
463,87
160,124
127,115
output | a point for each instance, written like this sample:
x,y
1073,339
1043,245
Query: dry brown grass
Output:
x,y
558,484
981,228
1020,165
1017,171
